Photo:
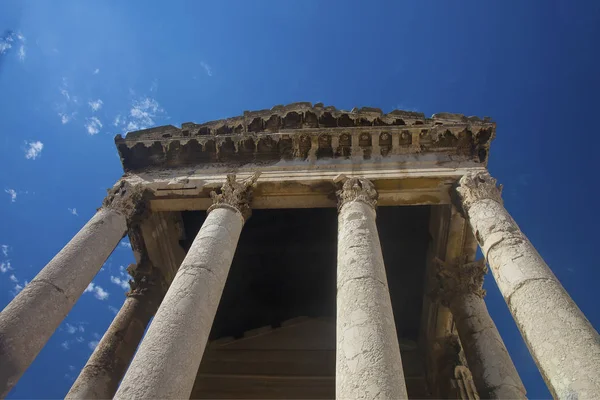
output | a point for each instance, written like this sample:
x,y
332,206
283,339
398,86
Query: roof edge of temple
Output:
x,y
302,115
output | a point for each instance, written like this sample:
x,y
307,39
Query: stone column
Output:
x,y
33,315
368,363
562,341
460,289
167,361
101,375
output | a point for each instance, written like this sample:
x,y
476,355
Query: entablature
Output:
x,y
305,134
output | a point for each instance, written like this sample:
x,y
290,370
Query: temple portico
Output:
x,y
309,252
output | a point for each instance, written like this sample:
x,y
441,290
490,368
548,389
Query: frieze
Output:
x,y
303,132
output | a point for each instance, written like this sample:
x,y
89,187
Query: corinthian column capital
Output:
x,y
147,282
235,195
126,199
458,280
477,186
357,189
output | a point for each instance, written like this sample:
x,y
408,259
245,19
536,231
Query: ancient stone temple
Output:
x,y
307,252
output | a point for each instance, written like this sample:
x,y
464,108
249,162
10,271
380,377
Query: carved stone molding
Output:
x,y
477,186
126,199
357,189
236,195
457,280
147,283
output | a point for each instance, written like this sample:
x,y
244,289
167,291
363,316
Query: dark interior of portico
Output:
x,y
274,332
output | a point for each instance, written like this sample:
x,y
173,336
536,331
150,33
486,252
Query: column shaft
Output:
x,y
368,363
562,341
101,375
31,318
493,371
167,362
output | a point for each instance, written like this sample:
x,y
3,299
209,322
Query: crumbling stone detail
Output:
x,y
458,280
478,186
311,133
126,199
147,283
357,189
530,289
236,195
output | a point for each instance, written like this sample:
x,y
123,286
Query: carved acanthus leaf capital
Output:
x,y
235,195
473,187
126,199
147,282
357,189
458,280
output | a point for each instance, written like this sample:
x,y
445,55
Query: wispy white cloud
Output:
x,y
96,71
63,88
65,345
93,344
80,339
11,39
18,287
207,68
73,211
73,329
93,125
33,149
66,118
12,193
13,278
113,310
142,114
95,105
5,267
124,283
5,249
98,291
125,243
22,53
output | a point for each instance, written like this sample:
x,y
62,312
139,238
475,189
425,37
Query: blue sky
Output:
x,y
73,74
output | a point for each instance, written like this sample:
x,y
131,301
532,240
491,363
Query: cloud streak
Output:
x,y
33,149
95,105
142,115
12,193
93,125
207,68
98,292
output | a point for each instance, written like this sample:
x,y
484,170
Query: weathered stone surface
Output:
x,y
167,361
29,320
105,368
460,289
494,373
368,355
464,384
234,195
357,189
562,341
301,132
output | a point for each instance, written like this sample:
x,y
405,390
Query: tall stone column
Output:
x,y
33,315
167,361
368,363
460,289
562,341
100,377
